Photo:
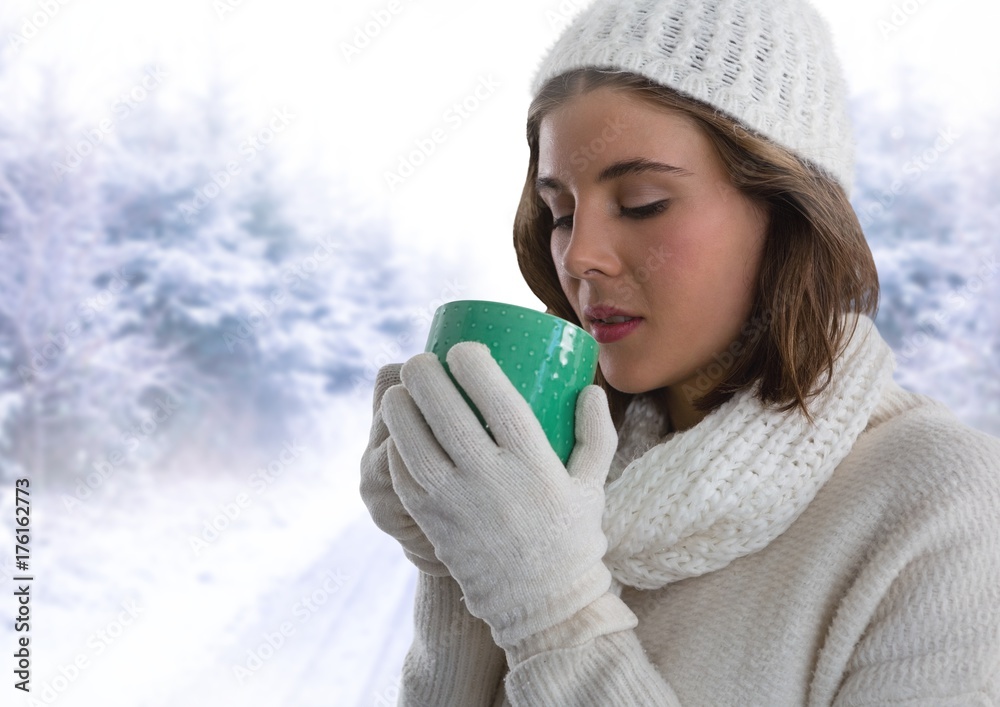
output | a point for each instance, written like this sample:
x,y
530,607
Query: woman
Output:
x,y
754,513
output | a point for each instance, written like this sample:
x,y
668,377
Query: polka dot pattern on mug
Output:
x,y
548,359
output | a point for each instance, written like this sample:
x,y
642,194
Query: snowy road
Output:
x,y
296,600
347,623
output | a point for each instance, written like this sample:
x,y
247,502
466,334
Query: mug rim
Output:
x,y
519,308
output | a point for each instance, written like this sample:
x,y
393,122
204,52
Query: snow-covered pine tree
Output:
x,y
62,371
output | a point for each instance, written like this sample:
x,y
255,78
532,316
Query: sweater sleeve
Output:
x,y
592,660
453,659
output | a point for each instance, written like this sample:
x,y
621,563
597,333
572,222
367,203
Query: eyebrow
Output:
x,y
619,169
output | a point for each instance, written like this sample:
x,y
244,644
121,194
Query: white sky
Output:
x,y
358,118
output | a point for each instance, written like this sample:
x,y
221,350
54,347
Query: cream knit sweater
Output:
x,y
885,591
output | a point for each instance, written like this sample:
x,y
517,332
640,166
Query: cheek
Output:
x,y
556,249
723,252
747,249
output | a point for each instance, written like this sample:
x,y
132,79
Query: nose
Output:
x,y
589,251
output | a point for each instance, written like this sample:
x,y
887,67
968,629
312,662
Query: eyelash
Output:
x,y
639,213
646,210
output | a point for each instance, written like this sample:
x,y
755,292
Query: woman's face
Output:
x,y
648,227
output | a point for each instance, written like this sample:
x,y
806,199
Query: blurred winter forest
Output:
x,y
168,293
928,197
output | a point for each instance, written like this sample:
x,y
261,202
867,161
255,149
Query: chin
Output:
x,y
628,384
627,379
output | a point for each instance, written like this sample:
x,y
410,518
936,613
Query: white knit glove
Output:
x,y
520,532
376,486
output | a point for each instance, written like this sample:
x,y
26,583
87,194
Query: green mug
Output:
x,y
548,359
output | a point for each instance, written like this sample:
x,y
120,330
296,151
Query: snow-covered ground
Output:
x,y
293,598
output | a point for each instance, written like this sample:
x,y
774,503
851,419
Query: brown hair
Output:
x,y
816,264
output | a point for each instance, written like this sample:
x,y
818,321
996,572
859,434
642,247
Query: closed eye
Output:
x,y
636,212
563,222
646,210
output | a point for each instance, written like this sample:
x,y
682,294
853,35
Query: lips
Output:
x,y
608,324
605,311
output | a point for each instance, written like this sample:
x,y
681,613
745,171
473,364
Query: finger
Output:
x,y
375,480
388,513
398,523
423,456
378,433
386,377
412,496
454,423
510,417
596,438
428,565
379,495
416,546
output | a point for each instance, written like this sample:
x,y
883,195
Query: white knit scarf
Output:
x,y
734,482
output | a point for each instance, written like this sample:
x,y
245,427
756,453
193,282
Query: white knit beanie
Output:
x,y
768,64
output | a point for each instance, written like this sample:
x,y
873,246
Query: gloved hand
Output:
x,y
520,532
376,486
